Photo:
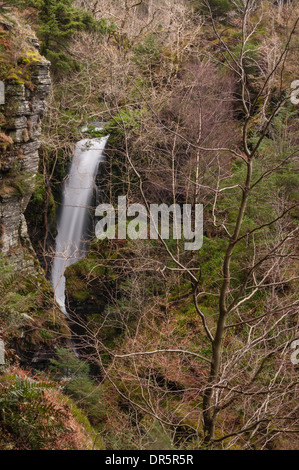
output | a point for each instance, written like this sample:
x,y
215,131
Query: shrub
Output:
x,y
26,412
78,384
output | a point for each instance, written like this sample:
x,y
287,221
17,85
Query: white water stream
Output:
x,y
78,191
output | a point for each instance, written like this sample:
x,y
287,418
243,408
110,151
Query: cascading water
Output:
x,y
78,189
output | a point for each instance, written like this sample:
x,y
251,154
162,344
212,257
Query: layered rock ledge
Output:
x,y
21,116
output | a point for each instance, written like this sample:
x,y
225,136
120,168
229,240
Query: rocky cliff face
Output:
x,y
26,90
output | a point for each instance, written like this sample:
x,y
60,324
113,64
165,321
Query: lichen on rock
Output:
x,y
26,77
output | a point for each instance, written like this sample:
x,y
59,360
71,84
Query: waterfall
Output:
x,y
78,190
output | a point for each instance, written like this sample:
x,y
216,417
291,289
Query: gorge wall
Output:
x,y
26,78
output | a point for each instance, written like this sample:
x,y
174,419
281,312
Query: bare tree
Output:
x,y
254,372
241,362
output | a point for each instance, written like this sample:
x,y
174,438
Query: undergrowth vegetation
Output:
x,y
176,349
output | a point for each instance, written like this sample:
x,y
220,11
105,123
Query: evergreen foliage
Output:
x,y
26,413
57,22
78,383
218,7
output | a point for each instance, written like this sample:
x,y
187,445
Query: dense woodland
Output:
x,y
176,349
